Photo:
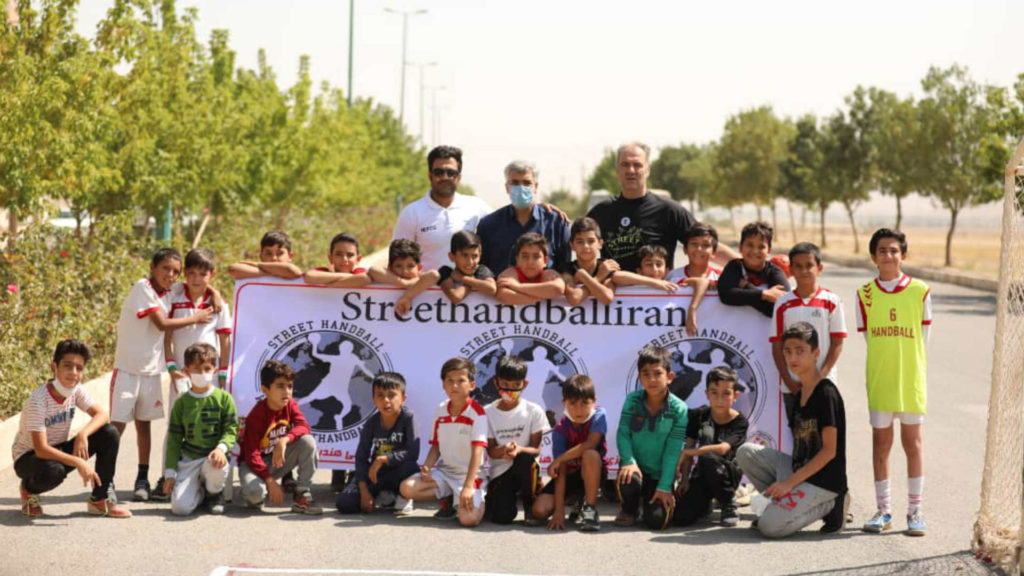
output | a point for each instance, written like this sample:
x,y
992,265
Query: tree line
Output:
x,y
950,145
146,116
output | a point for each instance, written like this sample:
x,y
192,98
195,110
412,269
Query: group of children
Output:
x,y
482,460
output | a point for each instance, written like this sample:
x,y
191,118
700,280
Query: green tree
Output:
x,y
752,145
799,180
668,172
895,137
603,176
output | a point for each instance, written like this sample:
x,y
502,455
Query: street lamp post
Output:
x,y
422,66
351,36
434,114
405,35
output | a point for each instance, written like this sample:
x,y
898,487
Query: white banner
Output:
x,y
338,339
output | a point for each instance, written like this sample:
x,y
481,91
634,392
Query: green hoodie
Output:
x,y
652,442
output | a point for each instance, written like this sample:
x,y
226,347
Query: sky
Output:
x,y
559,82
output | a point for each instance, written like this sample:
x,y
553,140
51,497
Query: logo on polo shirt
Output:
x,y
428,228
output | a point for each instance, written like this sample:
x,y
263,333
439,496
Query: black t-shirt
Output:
x,y
571,268
823,408
730,292
481,273
629,224
703,428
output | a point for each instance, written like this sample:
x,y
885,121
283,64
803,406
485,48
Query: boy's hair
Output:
x,y
723,374
578,387
344,237
163,254
200,352
459,363
403,248
802,331
511,368
805,248
654,355
276,238
389,381
699,230
463,240
71,346
442,152
883,233
652,250
762,229
201,258
581,225
274,369
532,239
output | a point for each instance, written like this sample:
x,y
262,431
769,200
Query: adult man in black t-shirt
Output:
x,y
637,217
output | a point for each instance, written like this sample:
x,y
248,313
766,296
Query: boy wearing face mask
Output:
x,y
578,446
515,427
203,427
499,230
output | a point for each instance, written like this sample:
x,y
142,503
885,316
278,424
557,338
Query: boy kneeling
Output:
x,y
203,427
44,454
811,484
277,441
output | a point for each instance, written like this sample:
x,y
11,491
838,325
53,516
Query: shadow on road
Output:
x,y
960,563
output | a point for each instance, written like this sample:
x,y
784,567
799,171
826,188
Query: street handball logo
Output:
x,y
334,373
694,358
548,365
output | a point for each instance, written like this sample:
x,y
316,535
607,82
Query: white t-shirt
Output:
x,y
140,344
46,411
679,274
823,310
431,225
182,306
515,425
455,437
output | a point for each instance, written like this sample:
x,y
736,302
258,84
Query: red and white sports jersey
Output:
x,y
823,310
140,344
455,436
679,274
183,306
890,286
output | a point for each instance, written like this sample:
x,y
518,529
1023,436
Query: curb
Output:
x,y
950,277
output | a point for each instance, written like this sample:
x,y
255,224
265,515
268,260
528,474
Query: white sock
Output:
x,y
915,494
883,495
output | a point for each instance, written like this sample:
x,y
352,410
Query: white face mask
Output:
x,y
565,411
64,392
203,380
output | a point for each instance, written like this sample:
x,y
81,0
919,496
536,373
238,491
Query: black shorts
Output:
x,y
574,483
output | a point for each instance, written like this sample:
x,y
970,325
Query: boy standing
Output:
x,y
515,427
530,280
588,275
135,387
753,280
713,433
344,271
275,259
468,274
701,246
388,450
203,427
578,447
650,436
43,453
456,450
811,484
895,315
275,442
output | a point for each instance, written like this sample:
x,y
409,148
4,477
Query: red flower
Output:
x,y
12,288
63,254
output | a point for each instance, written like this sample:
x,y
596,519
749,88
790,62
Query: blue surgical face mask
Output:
x,y
521,196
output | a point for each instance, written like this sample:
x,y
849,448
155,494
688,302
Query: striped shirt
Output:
x,y
46,411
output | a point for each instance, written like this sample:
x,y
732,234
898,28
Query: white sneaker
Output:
x,y
403,507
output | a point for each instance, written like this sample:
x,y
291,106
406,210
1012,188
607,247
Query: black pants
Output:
x,y
712,477
388,478
637,492
41,475
523,480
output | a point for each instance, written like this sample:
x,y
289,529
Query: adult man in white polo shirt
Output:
x,y
431,220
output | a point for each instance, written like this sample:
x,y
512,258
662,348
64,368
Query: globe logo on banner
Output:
x,y
334,373
693,359
547,367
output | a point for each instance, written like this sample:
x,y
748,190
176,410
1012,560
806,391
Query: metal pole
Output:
x,y
405,35
351,39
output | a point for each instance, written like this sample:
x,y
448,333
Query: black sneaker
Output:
x,y
141,492
446,511
576,516
215,503
836,519
158,492
589,518
729,516
289,485
338,480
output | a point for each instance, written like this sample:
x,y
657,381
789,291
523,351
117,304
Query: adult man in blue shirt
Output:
x,y
499,230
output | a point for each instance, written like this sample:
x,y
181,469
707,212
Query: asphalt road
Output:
x,y
154,542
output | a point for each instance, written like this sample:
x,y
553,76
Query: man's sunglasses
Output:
x,y
444,172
